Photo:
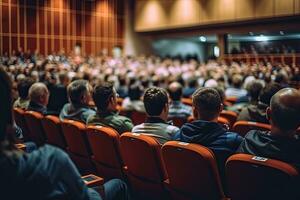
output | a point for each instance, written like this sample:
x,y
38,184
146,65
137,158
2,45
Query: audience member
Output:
x,y
282,142
257,112
206,130
42,173
178,109
236,90
23,88
58,93
156,103
105,98
191,88
133,102
79,94
39,97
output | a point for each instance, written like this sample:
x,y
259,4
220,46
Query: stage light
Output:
x,y
281,32
202,39
261,38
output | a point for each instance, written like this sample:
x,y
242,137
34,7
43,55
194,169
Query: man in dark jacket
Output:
x,y
205,130
281,142
257,112
79,93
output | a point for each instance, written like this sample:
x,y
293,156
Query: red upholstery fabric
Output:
x,y
187,101
34,123
53,131
78,146
192,171
249,178
19,116
138,117
144,167
104,143
230,116
243,127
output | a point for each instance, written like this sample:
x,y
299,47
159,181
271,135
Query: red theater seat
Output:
x,y
104,143
187,101
250,177
230,116
243,127
192,172
53,131
143,165
138,117
34,123
78,146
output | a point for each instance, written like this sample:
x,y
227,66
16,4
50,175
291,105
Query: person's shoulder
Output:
x,y
171,128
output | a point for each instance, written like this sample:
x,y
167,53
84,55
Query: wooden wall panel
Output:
x,y
52,25
152,15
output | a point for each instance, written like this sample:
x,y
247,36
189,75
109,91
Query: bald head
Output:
x,y
285,109
39,93
175,91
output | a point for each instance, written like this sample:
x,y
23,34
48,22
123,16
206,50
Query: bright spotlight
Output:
x,y
202,39
261,38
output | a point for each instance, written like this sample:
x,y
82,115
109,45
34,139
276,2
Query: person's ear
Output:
x,y
268,113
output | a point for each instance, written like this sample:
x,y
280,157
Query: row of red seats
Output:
x,y
177,169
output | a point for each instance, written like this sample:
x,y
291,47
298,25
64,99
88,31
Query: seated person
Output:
x,y
42,173
191,88
105,98
133,102
39,96
58,93
236,90
206,130
23,88
156,103
79,93
281,142
178,109
257,112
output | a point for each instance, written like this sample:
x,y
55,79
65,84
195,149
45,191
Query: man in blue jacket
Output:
x,y
205,130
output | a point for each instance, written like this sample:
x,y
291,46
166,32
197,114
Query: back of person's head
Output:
x,y
268,91
155,100
6,116
237,81
134,92
23,87
175,91
207,104
221,93
254,88
79,92
39,93
63,78
192,83
104,94
284,110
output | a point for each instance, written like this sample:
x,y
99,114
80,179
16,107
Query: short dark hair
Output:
x,y
102,94
155,100
134,92
207,102
76,90
23,87
175,93
285,115
268,91
254,88
221,92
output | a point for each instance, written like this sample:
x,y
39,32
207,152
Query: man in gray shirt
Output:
x,y
156,102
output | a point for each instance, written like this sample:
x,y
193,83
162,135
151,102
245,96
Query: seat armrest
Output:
x,y
92,180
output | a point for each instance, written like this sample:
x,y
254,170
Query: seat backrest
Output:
x,y
252,177
34,123
230,116
142,157
104,143
53,131
231,99
243,127
178,121
76,138
137,117
19,116
192,170
187,101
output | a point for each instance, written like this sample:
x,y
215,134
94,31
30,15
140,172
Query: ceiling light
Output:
x,y
202,39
